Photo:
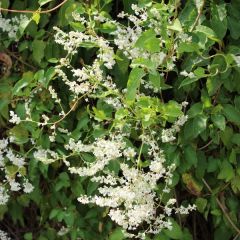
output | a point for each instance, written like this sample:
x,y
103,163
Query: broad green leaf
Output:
x,y
208,32
23,24
219,19
201,204
231,113
236,139
190,155
226,136
117,235
219,121
38,47
148,41
172,109
188,47
213,84
19,134
175,232
176,26
226,171
134,83
27,78
4,4
195,109
145,63
194,127
234,27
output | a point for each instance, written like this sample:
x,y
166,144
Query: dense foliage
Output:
x,y
120,119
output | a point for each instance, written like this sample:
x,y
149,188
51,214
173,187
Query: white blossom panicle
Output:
x,y
11,26
168,135
45,156
4,235
104,150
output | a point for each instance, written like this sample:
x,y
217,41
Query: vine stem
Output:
x,y
222,208
32,11
198,16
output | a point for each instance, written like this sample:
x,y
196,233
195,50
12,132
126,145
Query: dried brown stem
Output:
x,y
223,209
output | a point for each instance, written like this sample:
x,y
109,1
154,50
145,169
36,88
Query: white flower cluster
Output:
x,y
168,135
104,150
7,157
73,40
11,26
130,196
45,156
131,199
4,235
14,118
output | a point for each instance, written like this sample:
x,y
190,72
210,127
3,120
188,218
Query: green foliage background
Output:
x,y
207,153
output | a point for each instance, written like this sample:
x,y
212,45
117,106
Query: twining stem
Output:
x,y
34,11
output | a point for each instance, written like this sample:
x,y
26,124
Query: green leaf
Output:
x,y
226,136
43,2
155,80
194,127
190,155
54,213
219,121
201,204
134,83
116,235
231,113
142,62
188,47
23,24
234,27
176,26
28,236
148,41
219,19
172,109
19,134
62,182
36,17
236,139
208,32
226,171
175,232
198,74
27,78
195,110
38,47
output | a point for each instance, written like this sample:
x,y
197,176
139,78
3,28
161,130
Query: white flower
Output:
x,y
3,196
27,186
14,118
4,235
15,186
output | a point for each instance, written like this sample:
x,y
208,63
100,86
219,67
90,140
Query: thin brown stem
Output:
x,y
205,146
20,60
223,209
34,11
198,16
